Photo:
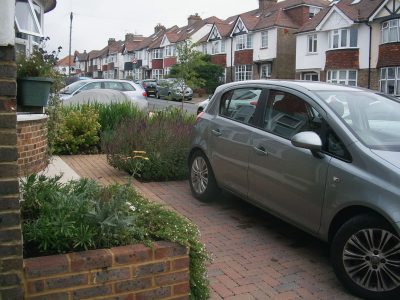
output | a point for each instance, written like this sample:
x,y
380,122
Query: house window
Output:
x,y
311,76
243,72
204,48
391,31
389,81
346,77
265,71
343,38
217,47
264,39
157,74
157,54
244,41
28,17
167,71
312,43
313,11
139,54
170,51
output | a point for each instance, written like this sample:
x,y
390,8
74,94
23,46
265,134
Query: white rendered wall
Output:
x,y
7,33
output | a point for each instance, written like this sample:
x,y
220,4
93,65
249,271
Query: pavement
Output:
x,y
255,255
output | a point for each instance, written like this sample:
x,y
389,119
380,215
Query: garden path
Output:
x,y
255,255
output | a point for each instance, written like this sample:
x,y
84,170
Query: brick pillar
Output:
x,y
10,222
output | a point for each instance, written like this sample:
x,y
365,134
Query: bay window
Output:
x,y
389,81
157,53
264,39
343,38
157,74
244,41
346,77
170,51
265,71
218,47
243,72
391,31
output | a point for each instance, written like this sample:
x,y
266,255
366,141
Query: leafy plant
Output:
x,y
164,136
82,215
78,130
39,63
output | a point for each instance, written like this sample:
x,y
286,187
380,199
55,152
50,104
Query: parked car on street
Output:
x,y
105,96
129,88
150,86
171,88
323,157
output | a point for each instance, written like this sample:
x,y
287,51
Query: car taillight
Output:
x,y
144,94
199,116
254,103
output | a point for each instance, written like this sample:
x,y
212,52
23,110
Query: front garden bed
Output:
x,y
83,240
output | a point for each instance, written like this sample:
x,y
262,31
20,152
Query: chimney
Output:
x,y
193,19
129,37
111,41
159,27
265,4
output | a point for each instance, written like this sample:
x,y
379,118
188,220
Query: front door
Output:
x,y
283,178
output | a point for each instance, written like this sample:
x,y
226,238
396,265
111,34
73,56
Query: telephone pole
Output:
x,y
70,38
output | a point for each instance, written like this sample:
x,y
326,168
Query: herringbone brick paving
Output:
x,y
255,255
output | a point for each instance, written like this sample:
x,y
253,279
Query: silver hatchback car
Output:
x,y
323,157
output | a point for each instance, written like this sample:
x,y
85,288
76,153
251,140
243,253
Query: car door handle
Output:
x,y
260,150
216,132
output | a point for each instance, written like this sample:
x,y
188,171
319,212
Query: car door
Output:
x,y
287,180
230,134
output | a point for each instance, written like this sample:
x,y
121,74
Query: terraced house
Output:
x,y
260,43
353,42
250,45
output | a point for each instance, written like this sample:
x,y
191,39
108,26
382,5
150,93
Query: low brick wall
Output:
x,y
130,272
32,143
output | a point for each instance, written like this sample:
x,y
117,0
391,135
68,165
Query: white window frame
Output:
x,y
265,71
312,43
342,77
264,39
157,54
308,76
204,48
157,74
384,80
170,51
243,72
33,15
244,41
343,35
386,28
218,47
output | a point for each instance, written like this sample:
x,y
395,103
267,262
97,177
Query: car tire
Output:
x,y
365,254
201,178
199,110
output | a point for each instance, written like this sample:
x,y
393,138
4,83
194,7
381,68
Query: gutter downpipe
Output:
x,y
232,59
369,54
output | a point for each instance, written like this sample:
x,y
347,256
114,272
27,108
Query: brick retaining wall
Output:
x,y
128,272
32,145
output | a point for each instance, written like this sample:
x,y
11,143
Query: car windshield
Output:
x,y
70,89
374,118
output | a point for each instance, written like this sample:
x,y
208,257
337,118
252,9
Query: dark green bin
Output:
x,y
33,91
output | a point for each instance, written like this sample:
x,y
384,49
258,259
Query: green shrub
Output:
x,y
164,136
78,130
112,114
82,215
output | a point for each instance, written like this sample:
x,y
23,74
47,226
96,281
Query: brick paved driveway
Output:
x,y
255,256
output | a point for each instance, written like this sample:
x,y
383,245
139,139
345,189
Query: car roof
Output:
x,y
296,84
116,80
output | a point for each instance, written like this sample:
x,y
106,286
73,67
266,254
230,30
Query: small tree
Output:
x,y
185,70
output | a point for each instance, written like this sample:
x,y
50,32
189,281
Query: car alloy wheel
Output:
x,y
371,258
202,181
199,175
365,255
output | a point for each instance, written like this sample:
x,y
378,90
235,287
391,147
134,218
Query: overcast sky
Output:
x,y
97,20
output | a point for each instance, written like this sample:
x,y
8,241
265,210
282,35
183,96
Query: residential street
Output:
x,y
160,104
255,255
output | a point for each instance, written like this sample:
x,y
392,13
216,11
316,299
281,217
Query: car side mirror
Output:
x,y
307,140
